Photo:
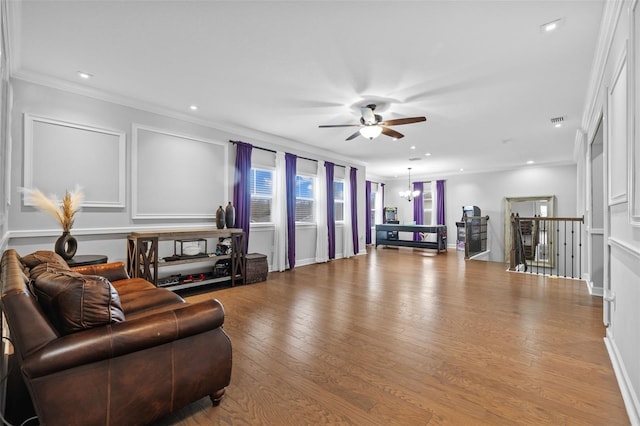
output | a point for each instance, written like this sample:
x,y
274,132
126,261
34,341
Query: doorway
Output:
x,y
596,214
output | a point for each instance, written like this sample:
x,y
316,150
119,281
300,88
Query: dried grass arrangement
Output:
x,y
64,212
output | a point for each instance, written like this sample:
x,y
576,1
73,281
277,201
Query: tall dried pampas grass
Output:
x,y
64,213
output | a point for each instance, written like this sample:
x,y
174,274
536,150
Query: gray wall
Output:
x,y
104,229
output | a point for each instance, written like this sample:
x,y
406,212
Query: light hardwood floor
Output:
x,y
408,337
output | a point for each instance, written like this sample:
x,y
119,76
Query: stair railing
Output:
x,y
553,246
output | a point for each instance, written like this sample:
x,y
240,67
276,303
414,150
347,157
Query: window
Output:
x,y
338,200
261,182
372,203
304,199
427,203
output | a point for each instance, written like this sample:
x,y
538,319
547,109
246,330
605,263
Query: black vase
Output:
x,y
230,215
66,245
220,218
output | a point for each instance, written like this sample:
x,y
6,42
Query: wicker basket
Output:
x,y
257,268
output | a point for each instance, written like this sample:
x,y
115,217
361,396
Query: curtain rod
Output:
x,y
271,150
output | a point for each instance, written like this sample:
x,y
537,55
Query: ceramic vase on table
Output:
x,y
220,218
230,215
66,245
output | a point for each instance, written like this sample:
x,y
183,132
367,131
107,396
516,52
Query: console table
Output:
x,y
144,257
388,235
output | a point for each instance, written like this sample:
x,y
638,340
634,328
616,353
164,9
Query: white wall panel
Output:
x,y
177,176
78,154
625,317
617,134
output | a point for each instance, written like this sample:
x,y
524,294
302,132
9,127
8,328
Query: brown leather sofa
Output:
x,y
96,347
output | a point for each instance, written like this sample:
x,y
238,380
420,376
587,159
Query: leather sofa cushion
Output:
x,y
145,300
44,256
75,302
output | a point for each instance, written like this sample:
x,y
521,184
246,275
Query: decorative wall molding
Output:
x,y
190,171
58,155
4,241
634,113
617,133
37,233
631,402
633,251
610,18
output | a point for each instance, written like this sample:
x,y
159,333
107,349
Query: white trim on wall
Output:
x,y
631,402
191,171
617,133
634,114
610,17
82,160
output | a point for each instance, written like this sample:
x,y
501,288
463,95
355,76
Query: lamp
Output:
x,y
370,131
409,194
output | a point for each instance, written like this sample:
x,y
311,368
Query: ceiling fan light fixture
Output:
x,y
371,132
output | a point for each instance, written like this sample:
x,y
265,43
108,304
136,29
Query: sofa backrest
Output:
x,y
29,328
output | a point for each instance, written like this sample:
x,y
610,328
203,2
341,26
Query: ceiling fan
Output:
x,y
371,124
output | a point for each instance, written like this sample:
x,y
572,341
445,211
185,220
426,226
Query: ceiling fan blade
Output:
x,y
353,136
368,117
339,125
392,133
399,121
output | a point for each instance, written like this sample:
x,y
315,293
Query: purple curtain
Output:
x,y
354,209
440,198
418,208
331,216
367,207
290,172
241,189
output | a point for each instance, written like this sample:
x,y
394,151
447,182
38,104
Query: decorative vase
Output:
x,y
220,218
66,245
230,215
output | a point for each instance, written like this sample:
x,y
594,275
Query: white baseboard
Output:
x,y
593,290
629,395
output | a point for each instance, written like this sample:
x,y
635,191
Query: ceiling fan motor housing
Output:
x,y
371,124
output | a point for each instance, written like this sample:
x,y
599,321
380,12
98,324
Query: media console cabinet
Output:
x,y
389,235
144,259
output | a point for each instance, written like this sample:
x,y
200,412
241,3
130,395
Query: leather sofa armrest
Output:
x,y
113,271
109,341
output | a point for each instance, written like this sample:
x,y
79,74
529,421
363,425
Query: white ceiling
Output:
x,y
482,72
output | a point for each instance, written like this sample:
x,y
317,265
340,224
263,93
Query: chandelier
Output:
x,y
409,194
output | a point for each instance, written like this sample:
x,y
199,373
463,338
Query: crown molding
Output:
x,y
234,131
609,24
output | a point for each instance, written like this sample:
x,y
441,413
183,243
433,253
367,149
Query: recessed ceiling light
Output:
x,y
84,75
462,170
530,162
428,154
557,125
413,147
550,26
193,107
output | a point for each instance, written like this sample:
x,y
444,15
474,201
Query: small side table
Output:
x,y
86,259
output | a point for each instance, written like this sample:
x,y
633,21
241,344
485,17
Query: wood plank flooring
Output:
x,y
407,337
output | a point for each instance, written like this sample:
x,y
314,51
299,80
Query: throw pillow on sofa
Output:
x,y
44,256
77,302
